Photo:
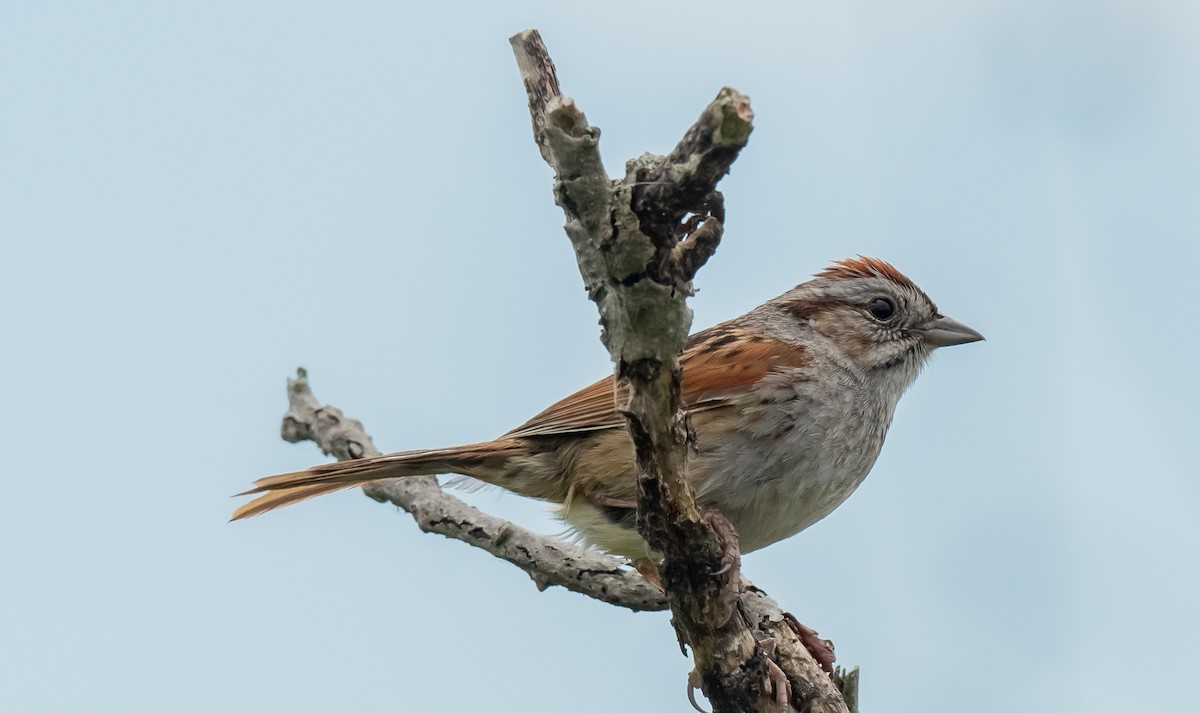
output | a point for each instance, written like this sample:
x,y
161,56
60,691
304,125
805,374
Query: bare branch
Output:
x,y
638,252
541,80
665,191
548,562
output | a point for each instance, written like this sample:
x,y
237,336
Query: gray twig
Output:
x,y
547,561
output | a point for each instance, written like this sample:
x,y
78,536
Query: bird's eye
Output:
x,y
881,308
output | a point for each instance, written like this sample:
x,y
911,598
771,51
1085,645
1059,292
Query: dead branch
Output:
x,y
548,562
637,252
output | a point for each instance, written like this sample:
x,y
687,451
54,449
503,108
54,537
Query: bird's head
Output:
x,y
877,318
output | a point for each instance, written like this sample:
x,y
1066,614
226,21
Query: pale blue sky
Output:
x,y
195,198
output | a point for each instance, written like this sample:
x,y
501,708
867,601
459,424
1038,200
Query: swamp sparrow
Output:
x,y
790,404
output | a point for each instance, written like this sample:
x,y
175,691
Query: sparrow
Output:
x,y
789,403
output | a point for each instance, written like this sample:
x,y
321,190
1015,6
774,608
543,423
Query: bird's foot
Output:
x,y
731,565
779,680
693,685
821,649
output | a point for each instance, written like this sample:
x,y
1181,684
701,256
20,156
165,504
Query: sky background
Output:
x,y
196,198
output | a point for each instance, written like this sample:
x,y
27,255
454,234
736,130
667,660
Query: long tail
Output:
x,y
481,460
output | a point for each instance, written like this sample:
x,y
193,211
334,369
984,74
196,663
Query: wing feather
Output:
x,y
718,364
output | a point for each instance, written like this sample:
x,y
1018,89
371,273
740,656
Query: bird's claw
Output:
x,y
821,649
731,564
693,685
779,680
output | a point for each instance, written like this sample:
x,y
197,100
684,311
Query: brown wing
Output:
x,y
718,363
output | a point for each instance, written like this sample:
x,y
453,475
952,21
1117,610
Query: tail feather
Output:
x,y
476,460
279,498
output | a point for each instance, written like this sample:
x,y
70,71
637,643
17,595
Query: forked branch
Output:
x,y
638,250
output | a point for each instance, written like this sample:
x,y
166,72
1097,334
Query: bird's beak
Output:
x,y
945,332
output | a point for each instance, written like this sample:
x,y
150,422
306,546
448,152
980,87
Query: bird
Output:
x,y
789,404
